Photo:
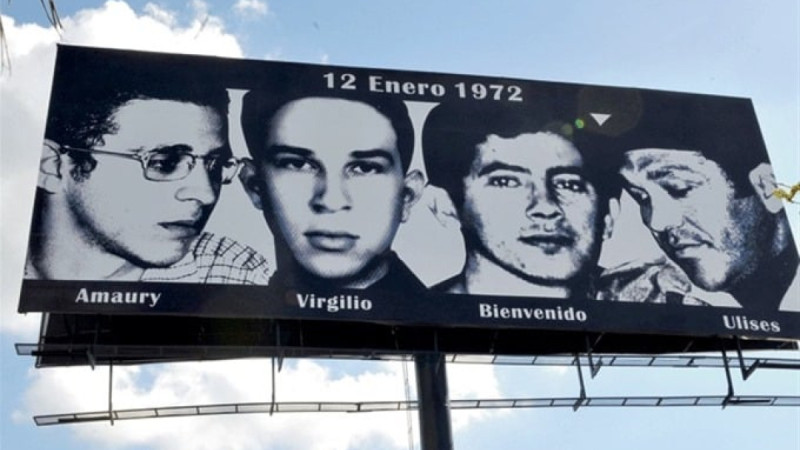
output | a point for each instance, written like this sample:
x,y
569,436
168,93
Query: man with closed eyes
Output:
x,y
700,174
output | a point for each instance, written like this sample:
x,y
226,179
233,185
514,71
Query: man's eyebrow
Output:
x,y
373,153
497,165
568,170
668,170
185,148
299,151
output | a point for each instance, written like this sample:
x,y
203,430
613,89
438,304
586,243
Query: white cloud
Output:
x,y
116,25
200,8
251,7
160,14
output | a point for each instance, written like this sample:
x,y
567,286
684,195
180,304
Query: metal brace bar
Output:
x,y
90,351
110,391
272,404
582,396
746,371
492,344
394,337
90,357
280,351
728,398
593,369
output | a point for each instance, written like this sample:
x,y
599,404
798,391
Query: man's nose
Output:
x,y
330,193
198,186
661,214
541,205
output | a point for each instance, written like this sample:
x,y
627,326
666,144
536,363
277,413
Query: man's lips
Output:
x,y
331,241
548,241
183,228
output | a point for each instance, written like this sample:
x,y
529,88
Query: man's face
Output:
x,y
333,184
149,223
688,203
531,209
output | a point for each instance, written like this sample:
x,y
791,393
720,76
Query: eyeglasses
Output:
x,y
174,162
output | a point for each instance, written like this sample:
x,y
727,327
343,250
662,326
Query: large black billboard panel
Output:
x,y
262,191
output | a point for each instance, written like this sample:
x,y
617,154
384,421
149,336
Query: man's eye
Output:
x,y
570,184
365,168
295,164
678,191
503,181
165,162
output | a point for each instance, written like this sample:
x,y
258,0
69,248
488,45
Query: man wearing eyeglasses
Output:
x,y
129,175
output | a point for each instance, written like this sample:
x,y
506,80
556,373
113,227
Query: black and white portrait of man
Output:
x,y
527,192
330,171
131,169
698,170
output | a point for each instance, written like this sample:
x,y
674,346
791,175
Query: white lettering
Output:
x,y
378,84
118,297
746,324
334,304
154,296
83,296
495,311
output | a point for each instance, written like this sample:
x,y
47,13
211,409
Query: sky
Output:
x,y
743,48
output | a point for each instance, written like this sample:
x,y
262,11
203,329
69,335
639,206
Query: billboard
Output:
x,y
239,191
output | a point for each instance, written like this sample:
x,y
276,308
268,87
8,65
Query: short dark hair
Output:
x,y
454,129
724,130
259,106
86,96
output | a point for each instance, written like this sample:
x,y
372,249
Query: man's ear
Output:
x,y
441,206
610,218
50,179
251,182
412,191
763,181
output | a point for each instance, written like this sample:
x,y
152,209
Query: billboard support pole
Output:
x,y
434,408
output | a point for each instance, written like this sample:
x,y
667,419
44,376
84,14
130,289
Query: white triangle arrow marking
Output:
x,y
600,118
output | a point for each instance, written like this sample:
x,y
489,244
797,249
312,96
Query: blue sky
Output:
x,y
742,48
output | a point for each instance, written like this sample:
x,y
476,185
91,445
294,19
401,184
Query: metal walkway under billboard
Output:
x,y
593,362
364,407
